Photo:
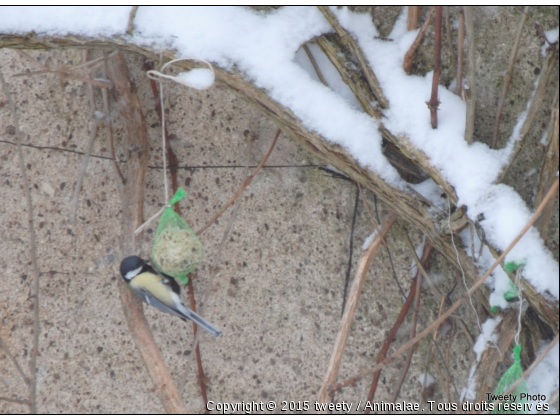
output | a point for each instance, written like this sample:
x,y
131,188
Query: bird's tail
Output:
x,y
194,317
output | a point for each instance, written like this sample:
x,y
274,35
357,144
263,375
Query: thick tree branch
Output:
x,y
132,206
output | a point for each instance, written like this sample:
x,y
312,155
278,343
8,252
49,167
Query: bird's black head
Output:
x,y
131,266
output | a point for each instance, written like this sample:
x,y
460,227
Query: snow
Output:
x,y
197,78
552,37
486,336
79,20
426,379
468,393
369,240
266,49
471,169
329,72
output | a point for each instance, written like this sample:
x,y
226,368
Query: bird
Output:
x,y
159,290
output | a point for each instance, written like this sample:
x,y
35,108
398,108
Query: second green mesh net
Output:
x,y
177,250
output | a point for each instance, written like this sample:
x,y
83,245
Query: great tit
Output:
x,y
159,290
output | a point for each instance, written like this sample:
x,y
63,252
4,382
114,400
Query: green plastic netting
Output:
x,y
511,375
177,250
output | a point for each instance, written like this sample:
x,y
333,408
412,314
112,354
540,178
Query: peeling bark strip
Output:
x,y
349,41
413,208
133,216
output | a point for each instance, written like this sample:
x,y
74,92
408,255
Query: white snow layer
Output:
x,y
486,336
264,48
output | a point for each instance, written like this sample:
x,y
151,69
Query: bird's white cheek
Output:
x,y
131,274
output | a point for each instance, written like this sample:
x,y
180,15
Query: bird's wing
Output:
x,y
152,300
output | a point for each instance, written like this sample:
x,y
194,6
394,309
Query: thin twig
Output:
x,y
241,188
449,40
535,104
314,64
460,55
213,267
548,171
551,193
130,25
351,252
93,64
370,214
346,323
66,75
108,126
406,366
434,102
33,251
419,263
471,73
409,56
33,60
508,76
389,339
94,122
4,346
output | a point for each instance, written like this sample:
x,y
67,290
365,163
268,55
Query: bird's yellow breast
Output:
x,y
153,283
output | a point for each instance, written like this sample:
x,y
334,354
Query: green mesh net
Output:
x,y
511,375
511,292
177,250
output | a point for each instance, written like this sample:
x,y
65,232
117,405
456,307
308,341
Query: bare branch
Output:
x,y
553,190
535,105
94,122
471,73
508,77
412,18
434,102
314,64
241,188
448,34
460,55
411,351
109,128
130,25
353,46
409,56
352,303
132,216
548,172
